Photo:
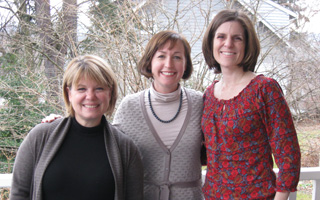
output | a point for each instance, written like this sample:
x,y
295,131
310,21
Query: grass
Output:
x,y
305,190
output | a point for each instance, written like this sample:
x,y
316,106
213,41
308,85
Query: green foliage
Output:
x,y
105,11
23,94
23,104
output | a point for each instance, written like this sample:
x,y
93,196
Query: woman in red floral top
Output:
x,y
246,119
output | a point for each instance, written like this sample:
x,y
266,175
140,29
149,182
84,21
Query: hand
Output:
x,y
50,118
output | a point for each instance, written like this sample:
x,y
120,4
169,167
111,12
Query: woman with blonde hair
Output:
x,y
80,156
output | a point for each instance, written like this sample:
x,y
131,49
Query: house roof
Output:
x,y
274,16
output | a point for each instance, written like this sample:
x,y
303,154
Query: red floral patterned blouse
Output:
x,y
241,134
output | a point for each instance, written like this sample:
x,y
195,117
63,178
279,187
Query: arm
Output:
x,y
134,179
282,139
21,186
281,195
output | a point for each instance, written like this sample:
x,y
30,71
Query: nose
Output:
x,y
169,62
228,42
90,94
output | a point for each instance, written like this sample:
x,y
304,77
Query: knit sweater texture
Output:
x,y
42,143
169,173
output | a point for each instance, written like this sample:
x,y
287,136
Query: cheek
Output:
x,y
153,66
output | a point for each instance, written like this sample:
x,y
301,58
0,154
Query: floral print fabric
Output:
x,y
241,134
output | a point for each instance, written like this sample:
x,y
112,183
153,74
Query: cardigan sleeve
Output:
x,y
23,172
134,176
25,163
282,137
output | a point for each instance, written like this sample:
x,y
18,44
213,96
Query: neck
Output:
x,y
232,78
165,90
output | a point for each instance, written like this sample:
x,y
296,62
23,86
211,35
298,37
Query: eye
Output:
x,y
161,56
177,57
100,88
81,89
220,36
238,38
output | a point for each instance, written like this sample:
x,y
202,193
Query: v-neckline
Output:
x,y
153,130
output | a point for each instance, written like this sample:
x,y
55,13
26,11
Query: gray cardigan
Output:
x,y
43,141
173,173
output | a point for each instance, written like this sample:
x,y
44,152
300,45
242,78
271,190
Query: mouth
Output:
x,y
90,106
227,53
168,73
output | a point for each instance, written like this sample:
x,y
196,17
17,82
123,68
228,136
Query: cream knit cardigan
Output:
x,y
173,173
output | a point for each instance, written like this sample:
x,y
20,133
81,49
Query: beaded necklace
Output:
x,y
156,116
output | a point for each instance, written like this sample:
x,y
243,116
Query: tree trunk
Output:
x,y
55,44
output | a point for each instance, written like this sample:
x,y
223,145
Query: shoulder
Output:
x,y
44,130
129,106
265,81
268,89
40,134
194,94
130,99
267,84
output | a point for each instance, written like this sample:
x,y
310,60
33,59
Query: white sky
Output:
x,y
314,25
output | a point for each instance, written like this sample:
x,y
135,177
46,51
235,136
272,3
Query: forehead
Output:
x,y
85,79
175,46
230,27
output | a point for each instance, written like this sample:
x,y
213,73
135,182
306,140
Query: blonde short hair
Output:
x,y
94,67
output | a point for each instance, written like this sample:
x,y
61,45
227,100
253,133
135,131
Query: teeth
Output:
x,y
227,53
87,106
167,73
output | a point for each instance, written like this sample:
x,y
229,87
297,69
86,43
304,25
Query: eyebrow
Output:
x,y
162,51
237,34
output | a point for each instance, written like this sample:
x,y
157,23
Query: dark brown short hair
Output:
x,y
252,44
157,42
93,67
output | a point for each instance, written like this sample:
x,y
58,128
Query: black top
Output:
x,y
80,169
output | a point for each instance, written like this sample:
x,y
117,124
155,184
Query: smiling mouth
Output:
x,y
227,53
90,106
168,73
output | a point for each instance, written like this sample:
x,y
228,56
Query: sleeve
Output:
x,y
282,137
21,186
134,178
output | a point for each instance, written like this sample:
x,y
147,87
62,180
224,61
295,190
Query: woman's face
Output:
x,y
229,44
168,66
90,101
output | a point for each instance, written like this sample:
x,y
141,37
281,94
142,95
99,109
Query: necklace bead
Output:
x,y
156,116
